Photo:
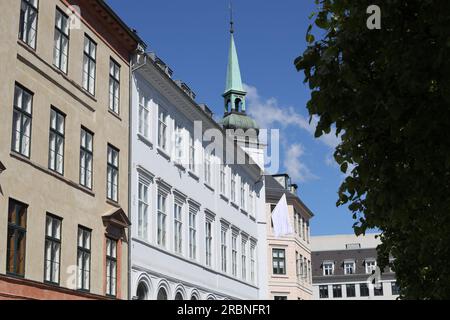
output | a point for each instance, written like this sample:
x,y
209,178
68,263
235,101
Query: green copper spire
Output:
x,y
235,109
234,81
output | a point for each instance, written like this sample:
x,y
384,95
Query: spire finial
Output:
x,y
231,18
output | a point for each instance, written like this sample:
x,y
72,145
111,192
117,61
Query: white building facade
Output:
x,y
198,226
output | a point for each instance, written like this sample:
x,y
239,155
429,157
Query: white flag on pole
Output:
x,y
280,219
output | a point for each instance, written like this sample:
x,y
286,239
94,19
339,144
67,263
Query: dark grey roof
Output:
x,y
274,192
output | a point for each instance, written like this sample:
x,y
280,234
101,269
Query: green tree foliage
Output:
x,y
387,92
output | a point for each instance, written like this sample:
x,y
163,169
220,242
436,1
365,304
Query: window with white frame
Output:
x,y
179,143
253,263
144,116
113,174
56,144
22,117
222,179
207,168
296,228
162,129
234,254
28,22
161,219
349,267
305,269
84,259
297,264
193,232
309,272
114,86
223,246
86,158
111,267
208,243
371,266
191,153
52,248
304,229
89,65
251,200
61,48
143,207
233,187
178,228
243,195
328,268
244,259
302,269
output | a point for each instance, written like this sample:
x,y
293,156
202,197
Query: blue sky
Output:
x,y
193,38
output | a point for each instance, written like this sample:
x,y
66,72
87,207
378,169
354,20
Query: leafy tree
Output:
x,y
387,92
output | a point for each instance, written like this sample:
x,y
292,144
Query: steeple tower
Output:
x,y
235,116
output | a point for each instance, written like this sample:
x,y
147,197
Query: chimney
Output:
x,y
207,110
186,89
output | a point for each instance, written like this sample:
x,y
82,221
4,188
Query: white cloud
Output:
x,y
294,165
269,114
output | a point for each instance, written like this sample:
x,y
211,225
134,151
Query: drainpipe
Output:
x,y
138,51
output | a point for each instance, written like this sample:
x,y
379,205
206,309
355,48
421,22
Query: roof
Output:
x,y
274,191
344,242
235,120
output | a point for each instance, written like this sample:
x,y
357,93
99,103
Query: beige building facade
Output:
x,y
289,256
64,147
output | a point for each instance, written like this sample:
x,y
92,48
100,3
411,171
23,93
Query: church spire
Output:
x,y
234,91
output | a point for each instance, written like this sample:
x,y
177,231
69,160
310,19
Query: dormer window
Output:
x,y
328,268
349,267
371,266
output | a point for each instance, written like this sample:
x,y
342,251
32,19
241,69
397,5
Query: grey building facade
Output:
x,y
345,267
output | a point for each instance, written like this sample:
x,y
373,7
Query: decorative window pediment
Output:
x,y
116,221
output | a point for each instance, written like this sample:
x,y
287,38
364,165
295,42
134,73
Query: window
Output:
x,y
144,117
371,266
279,261
143,206
224,249
193,234
280,298
253,263
363,290
250,200
351,290
378,289
84,259
297,264
113,173
244,259
56,144
114,86
17,231
337,291
89,65
178,228
61,49
162,214
52,249
222,179
305,269
179,148
233,187
162,294
142,291
208,240
111,267
323,292
234,255
309,272
86,158
178,296
162,129
191,153
304,229
349,267
328,268
207,168
21,135
28,22
395,289
243,196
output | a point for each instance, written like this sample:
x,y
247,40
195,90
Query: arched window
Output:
x,y
194,297
162,294
179,296
238,105
211,298
228,105
142,291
